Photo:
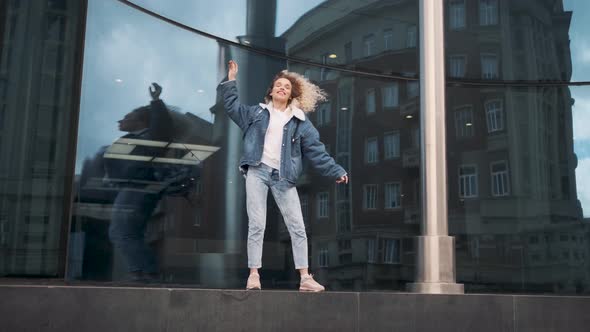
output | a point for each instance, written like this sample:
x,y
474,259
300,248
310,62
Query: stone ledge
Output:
x,y
94,308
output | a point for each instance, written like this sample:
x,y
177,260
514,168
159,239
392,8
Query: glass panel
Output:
x,y
39,94
159,197
518,206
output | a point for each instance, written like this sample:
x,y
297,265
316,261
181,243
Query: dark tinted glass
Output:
x,y
165,196
516,154
40,57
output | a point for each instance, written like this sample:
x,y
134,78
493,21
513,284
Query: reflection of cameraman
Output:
x,y
133,205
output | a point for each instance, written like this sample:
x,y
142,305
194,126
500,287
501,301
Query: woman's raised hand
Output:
x,y
232,70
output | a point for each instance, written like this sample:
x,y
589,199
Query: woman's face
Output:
x,y
281,91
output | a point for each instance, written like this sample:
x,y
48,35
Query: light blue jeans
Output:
x,y
258,180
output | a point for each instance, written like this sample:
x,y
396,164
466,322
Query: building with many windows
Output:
x,y
458,121
506,146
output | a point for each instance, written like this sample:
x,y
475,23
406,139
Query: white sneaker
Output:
x,y
253,282
307,284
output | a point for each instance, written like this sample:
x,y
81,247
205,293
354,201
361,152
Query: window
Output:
x,y
369,45
488,12
391,145
388,39
36,220
370,101
51,88
307,73
391,252
345,258
457,66
494,116
57,4
344,245
304,208
456,14
467,181
324,71
412,36
417,191
344,97
198,218
464,122
342,192
343,216
391,95
53,57
3,230
348,52
323,257
323,205
393,195
55,29
371,151
198,187
489,66
323,114
3,88
370,197
415,138
413,89
500,181
370,250
474,247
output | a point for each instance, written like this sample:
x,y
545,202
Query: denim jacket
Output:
x,y
300,138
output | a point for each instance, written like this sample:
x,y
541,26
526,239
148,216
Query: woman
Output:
x,y
277,135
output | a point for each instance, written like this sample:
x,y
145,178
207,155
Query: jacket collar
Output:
x,y
297,112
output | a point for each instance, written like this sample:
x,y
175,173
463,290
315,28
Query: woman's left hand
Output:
x,y
342,179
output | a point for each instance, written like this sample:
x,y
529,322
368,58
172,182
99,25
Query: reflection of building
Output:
x,y
183,228
511,164
179,223
212,251
361,234
512,189
40,54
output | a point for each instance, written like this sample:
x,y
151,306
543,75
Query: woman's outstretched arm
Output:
x,y
240,114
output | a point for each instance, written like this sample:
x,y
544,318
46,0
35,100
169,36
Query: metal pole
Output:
x,y
435,261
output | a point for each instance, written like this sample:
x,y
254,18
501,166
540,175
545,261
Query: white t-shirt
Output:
x,y
273,140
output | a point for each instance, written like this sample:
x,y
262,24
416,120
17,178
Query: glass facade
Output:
x,y
105,176
41,45
514,205
165,196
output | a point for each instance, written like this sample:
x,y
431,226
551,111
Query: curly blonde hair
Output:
x,y
305,95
